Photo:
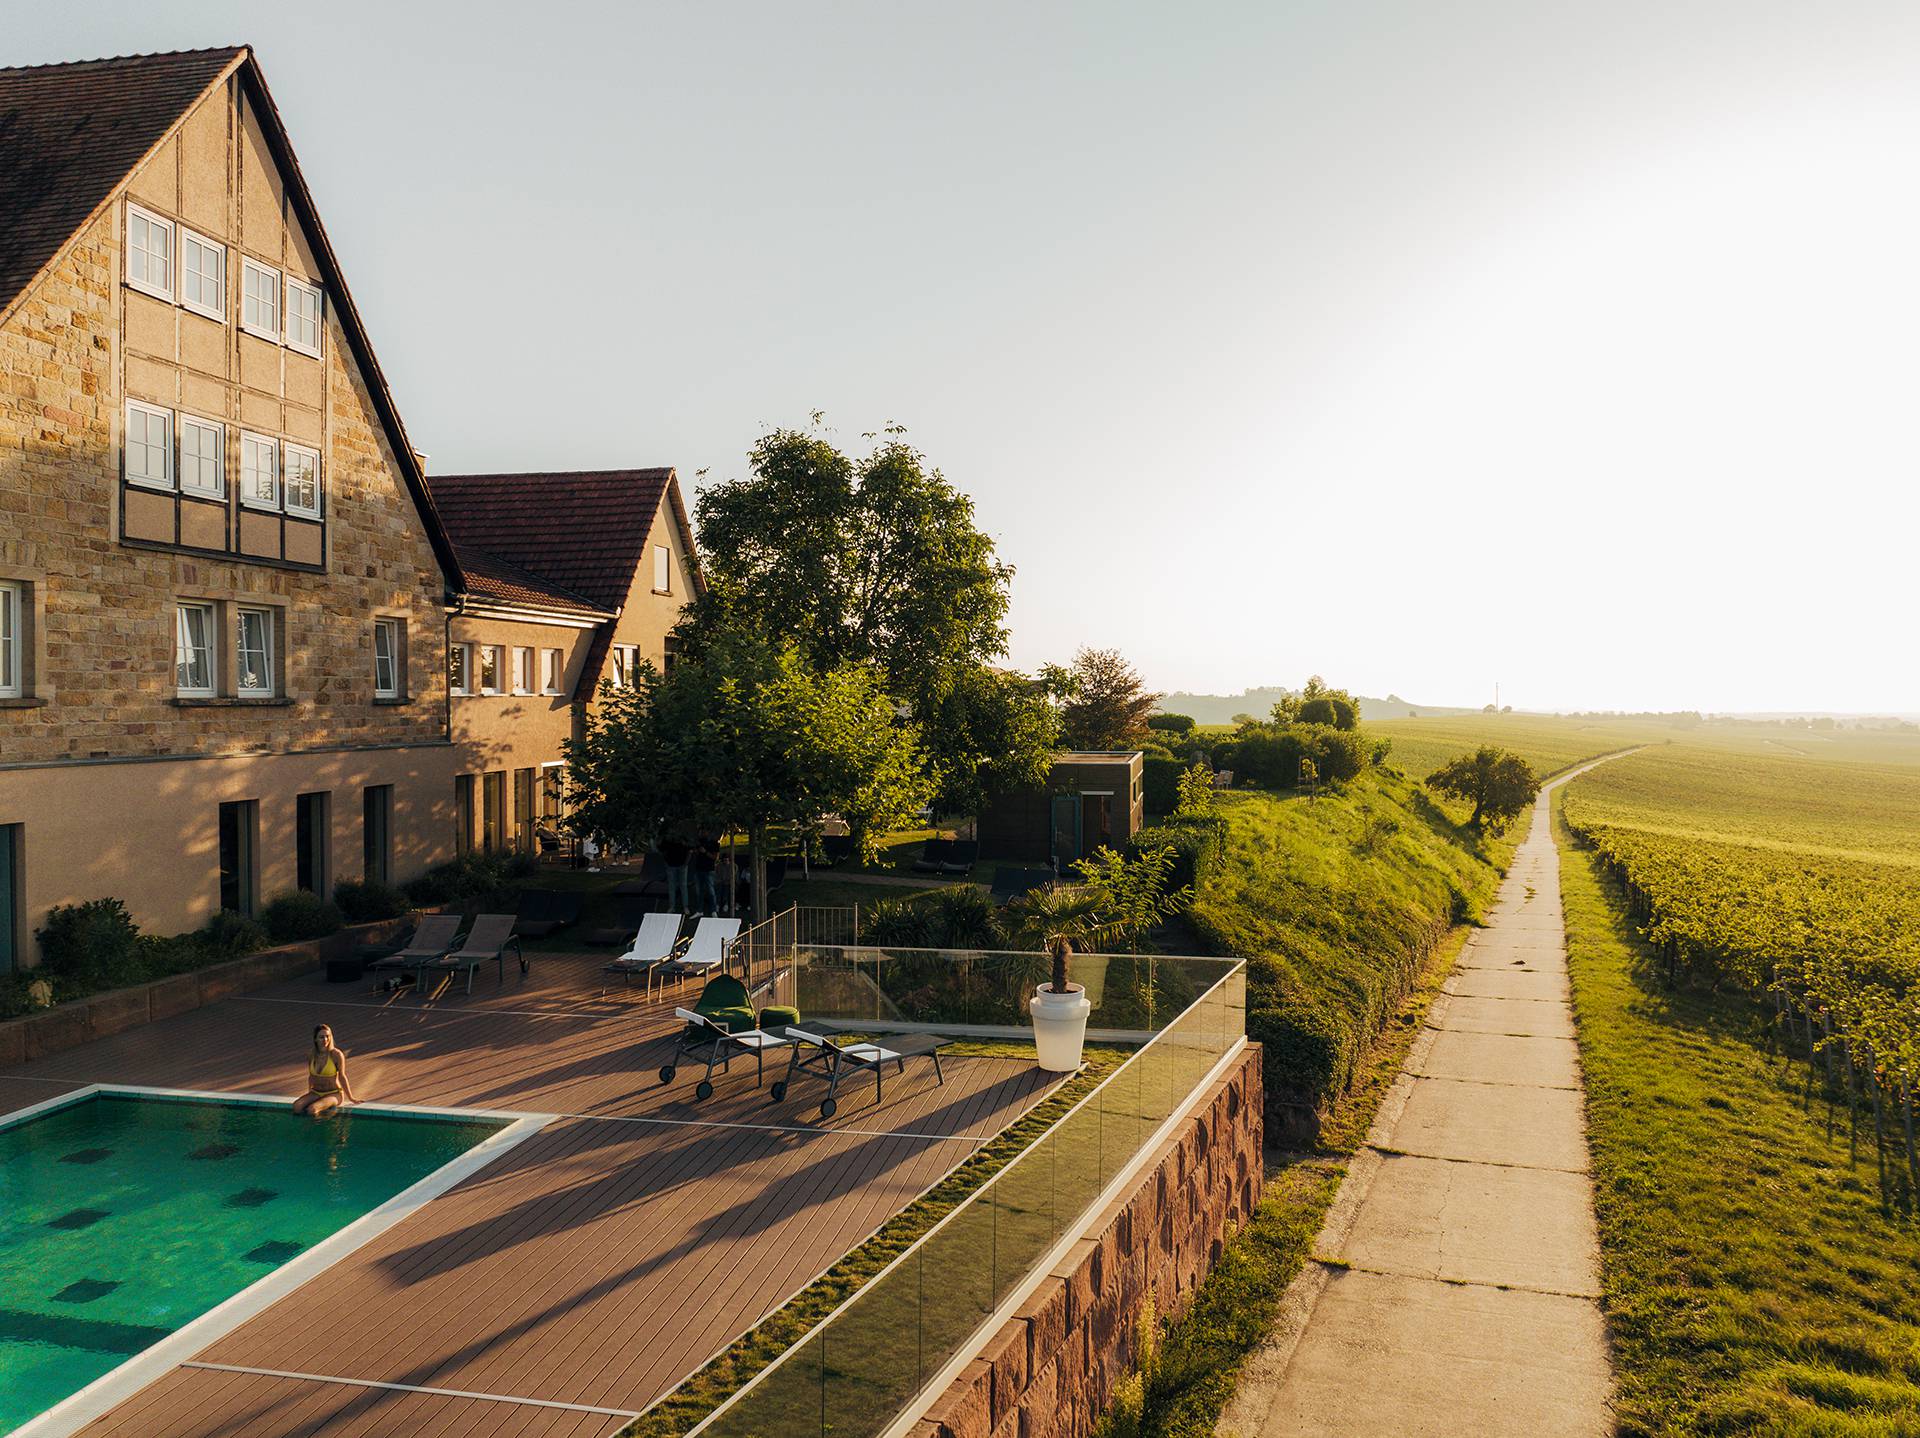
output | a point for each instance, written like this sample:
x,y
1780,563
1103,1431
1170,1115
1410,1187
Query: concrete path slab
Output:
x,y
1454,1286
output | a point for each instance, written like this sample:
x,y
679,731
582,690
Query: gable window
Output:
x,y
522,670
149,447
386,658
150,253
303,317
662,569
259,300
492,661
303,480
259,472
253,671
203,457
460,668
626,665
553,664
193,651
13,626
203,276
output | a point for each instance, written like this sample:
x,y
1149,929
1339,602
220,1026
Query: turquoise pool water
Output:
x,y
123,1218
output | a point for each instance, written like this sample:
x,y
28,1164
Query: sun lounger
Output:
x,y
960,858
721,1045
835,849
933,856
625,914
434,937
706,951
545,911
825,1057
652,949
486,943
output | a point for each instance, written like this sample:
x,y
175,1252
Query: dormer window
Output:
x,y
260,300
303,317
203,276
150,253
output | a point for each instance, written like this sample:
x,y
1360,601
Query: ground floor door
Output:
x,y
10,897
1066,829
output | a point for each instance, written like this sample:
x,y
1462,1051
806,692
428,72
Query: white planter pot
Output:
x,y
1060,1027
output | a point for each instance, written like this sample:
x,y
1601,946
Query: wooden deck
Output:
x,y
596,1264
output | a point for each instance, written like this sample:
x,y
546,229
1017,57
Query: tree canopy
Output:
x,y
1497,782
1104,702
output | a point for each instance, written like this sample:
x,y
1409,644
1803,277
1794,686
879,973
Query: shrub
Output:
x,y
362,902
1152,750
91,945
1195,842
229,935
1195,794
1160,779
1269,755
471,876
1334,710
963,917
300,915
1171,723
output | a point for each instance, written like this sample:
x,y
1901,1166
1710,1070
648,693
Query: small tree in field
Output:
x,y
1497,782
1106,704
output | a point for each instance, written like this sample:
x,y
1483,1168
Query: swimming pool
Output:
x,y
125,1216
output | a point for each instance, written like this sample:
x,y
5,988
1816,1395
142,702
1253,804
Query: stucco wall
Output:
x,y
1050,1371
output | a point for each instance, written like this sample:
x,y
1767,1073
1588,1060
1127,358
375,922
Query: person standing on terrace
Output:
x,y
674,853
327,1085
706,857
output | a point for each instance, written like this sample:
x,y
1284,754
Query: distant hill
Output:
x,y
1221,708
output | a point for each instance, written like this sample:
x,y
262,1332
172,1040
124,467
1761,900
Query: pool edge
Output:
x,y
115,1386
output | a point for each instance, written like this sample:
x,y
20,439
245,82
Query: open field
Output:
x,y
1547,742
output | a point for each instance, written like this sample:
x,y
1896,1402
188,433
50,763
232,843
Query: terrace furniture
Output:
x,y
933,856
826,1058
434,937
706,951
720,1044
961,857
649,883
629,914
545,911
651,950
1223,779
486,943
835,849
1010,882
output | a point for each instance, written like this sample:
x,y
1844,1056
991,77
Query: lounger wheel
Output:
x,y
524,966
666,1074
828,1108
779,1090
703,1090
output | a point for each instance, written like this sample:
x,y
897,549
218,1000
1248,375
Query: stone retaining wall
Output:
x,y
69,1025
1051,1369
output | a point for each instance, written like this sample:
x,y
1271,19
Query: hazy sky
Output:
x,y
1419,345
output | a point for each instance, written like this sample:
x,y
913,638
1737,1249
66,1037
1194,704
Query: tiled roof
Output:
x,y
584,531
491,577
69,134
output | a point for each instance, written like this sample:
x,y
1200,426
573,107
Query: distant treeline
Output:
x,y
1258,704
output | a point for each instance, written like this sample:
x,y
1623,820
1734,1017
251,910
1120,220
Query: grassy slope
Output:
x,y
1752,1284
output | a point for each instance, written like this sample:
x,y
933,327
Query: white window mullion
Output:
x,y
203,457
260,300
148,445
195,675
11,628
259,472
150,253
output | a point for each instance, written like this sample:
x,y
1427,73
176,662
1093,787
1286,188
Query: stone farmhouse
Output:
x,y
247,644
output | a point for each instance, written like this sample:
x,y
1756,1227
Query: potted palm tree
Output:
x,y
1061,918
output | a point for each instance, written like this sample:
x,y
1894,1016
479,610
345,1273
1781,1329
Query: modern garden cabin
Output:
x,y
1092,799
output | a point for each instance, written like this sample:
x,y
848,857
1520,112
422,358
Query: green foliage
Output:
x,y
1160,781
363,902
1196,793
1318,703
984,732
960,917
91,946
1496,782
1171,723
230,935
1104,703
1194,843
1270,755
300,915
1549,743
471,876
1133,891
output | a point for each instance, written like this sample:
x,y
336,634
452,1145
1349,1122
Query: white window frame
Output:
x,y
626,665
212,686
247,497
390,628
151,411
266,616
553,670
288,450
145,285
13,626
249,267
181,421
289,287
185,237
499,653
523,677
465,651
662,569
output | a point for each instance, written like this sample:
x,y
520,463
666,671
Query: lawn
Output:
x,y
1752,1283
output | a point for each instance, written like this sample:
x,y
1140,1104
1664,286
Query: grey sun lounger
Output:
x,y
486,943
434,937
706,951
827,1058
721,1044
651,950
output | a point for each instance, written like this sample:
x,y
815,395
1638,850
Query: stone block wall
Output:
x,y
1051,1369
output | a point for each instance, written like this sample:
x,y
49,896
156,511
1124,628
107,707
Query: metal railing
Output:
x,y
758,953
871,1366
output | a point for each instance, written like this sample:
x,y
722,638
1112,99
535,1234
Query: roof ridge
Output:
x,y
123,59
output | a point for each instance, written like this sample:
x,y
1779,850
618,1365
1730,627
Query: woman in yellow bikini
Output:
x,y
327,1086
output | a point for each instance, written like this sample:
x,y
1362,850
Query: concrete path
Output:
x,y
1455,1284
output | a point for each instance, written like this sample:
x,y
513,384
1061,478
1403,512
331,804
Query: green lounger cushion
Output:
x,y
725,1000
776,1017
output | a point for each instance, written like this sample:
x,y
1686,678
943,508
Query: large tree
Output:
x,y
1497,782
876,560
1104,703
744,737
